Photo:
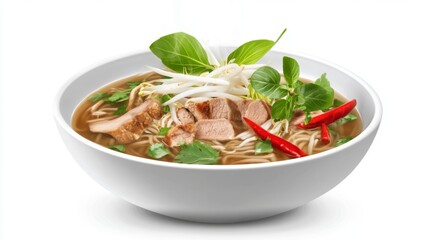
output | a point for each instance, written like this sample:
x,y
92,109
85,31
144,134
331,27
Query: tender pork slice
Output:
x,y
242,105
258,111
199,110
224,108
180,134
214,129
185,116
128,127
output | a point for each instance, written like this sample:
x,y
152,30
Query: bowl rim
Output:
x,y
372,126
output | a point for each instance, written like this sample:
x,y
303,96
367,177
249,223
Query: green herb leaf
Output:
x,y
163,131
163,99
118,97
316,97
119,148
263,146
133,84
282,109
337,103
182,53
121,110
324,82
251,52
98,96
341,141
290,70
349,117
197,153
157,150
266,80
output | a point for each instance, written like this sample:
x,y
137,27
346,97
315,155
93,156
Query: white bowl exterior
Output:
x,y
216,193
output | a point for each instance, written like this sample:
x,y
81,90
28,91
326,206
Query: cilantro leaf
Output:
x,y
98,96
157,150
118,97
263,146
121,110
349,117
197,153
163,99
341,141
163,131
119,148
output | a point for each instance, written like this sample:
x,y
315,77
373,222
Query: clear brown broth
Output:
x,y
81,116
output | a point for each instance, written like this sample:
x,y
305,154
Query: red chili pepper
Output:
x,y
276,141
324,135
329,116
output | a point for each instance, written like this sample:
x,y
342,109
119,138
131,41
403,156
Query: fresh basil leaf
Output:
x,y
98,96
157,150
251,52
283,109
121,110
341,141
119,148
324,82
182,53
290,70
266,81
263,146
349,117
197,153
315,96
163,131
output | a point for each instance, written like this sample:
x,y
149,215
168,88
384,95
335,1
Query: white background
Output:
x,y
45,195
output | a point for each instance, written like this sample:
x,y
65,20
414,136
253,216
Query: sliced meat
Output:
x,y
199,110
185,116
128,127
214,129
224,108
180,134
242,105
258,111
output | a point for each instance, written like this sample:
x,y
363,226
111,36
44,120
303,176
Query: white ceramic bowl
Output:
x,y
216,194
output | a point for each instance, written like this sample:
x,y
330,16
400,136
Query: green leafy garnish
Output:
x,y
263,146
290,70
157,150
315,96
163,131
133,84
251,52
197,153
348,118
98,96
337,103
294,94
266,80
341,141
163,99
182,53
119,148
118,97
121,110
